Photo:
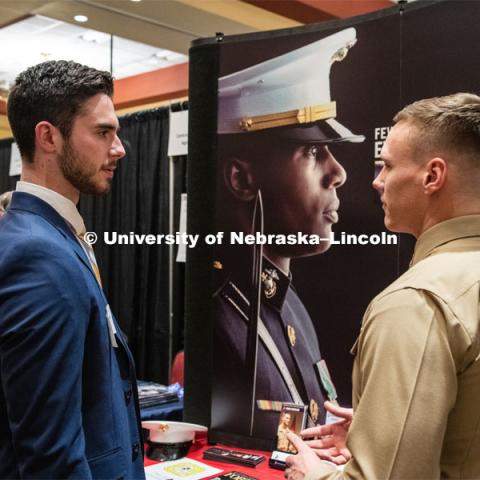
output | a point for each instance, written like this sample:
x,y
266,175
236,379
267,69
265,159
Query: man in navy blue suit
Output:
x,y
68,400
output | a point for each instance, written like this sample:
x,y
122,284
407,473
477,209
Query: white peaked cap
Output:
x,y
296,84
172,432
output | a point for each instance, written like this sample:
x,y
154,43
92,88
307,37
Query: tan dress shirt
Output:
x,y
64,207
416,377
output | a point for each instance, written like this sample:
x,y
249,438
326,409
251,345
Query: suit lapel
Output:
x,y
133,376
82,255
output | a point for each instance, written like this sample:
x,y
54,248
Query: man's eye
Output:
x,y
103,133
316,152
311,151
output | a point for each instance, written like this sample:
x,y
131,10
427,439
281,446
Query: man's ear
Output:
x,y
48,137
239,179
435,175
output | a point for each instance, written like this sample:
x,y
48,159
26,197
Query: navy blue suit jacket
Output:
x,y
68,402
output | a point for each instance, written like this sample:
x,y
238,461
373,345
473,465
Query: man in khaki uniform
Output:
x,y
416,379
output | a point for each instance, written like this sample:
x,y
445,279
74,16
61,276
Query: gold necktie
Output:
x,y
91,257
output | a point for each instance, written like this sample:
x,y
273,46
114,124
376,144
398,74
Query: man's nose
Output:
x,y
338,175
378,181
117,148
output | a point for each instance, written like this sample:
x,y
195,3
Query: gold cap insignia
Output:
x,y
163,427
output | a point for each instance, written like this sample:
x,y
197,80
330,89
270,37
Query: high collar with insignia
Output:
x,y
274,284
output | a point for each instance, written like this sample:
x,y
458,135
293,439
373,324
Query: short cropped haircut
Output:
x,y
446,124
53,91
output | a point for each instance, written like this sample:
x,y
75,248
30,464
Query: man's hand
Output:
x,y
305,460
332,445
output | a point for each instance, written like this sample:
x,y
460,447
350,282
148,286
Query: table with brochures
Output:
x,y
160,402
260,472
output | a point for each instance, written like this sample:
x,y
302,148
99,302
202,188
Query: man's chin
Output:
x,y
311,250
390,226
96,189
325,243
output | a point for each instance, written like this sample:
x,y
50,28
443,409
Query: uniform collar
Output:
x,y
436,237
62,205
274,283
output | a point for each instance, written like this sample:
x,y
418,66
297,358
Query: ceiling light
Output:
x,y
80,18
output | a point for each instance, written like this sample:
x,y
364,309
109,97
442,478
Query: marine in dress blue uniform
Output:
x,y
290,327
276,120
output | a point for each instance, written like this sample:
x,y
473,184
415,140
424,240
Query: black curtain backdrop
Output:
x,y
7,183
136,277
178,279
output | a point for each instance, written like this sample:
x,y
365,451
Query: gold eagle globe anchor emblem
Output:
x,y
269,277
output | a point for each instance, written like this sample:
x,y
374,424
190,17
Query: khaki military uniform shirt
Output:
x,y
416,378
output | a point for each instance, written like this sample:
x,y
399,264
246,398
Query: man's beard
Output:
x,y
79,173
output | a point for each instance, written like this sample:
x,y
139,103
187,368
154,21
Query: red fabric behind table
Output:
x,y
262,471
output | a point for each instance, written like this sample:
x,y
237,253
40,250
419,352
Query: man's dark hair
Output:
x,y
55,92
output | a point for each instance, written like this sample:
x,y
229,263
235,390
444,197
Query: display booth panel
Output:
x,y
300,115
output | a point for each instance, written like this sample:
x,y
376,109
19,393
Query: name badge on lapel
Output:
x,y
111,327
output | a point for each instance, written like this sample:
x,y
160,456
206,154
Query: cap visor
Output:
x,y
323,131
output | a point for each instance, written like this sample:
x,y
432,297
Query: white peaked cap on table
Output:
x,y
172,432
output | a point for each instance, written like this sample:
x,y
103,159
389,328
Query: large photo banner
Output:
x,y
301,119
287,129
